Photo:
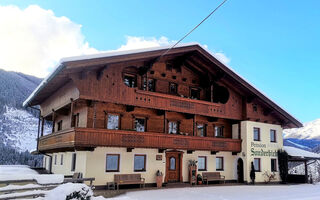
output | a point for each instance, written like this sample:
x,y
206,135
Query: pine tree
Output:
x,y
283,158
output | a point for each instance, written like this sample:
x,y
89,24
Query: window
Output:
x,y
140,124
60,125
113,122
202,163
130,80
254,107
257,164
194,93
173,127
75,120
112,162
201,130
273,165
73,161
55,159
219,163
61,159
256,134
173,88
151,85
172,163
139,163
218,131
273,135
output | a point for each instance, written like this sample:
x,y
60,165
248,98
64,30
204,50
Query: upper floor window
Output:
x,y
60,125
201,130
173,88
202,163
75,120
218,131
256,134
273,136
255,107
113,121
173,127
219,163
151,85
194,93
257,164
140,124
130,80
139,163
112,162
273,165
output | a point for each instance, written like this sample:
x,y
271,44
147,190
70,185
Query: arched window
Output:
x,y
172,163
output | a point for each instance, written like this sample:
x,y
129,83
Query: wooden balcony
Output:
x,y
81,138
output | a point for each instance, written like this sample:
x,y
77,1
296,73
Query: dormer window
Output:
x,y
151,85
130,80
194,93
173,88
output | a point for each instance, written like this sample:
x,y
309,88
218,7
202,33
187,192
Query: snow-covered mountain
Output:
x,y
310,130
18,126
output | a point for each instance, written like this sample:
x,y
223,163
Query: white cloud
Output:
x,y
32,40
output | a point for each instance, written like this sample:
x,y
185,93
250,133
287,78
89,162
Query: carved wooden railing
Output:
x,y
87,137
180,104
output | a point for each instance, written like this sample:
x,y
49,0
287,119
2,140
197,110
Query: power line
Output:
x,y
192,29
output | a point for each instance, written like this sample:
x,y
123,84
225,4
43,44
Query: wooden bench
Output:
x,y
126,179
212,176
77,178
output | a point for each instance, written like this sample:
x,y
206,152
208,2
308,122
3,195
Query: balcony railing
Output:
x,y
88,137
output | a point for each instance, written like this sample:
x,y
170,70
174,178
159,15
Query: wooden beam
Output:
x,y
100,71
71,113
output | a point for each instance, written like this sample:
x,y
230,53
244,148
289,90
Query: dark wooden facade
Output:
x,y
187,86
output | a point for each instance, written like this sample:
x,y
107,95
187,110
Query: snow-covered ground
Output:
x,y
260,192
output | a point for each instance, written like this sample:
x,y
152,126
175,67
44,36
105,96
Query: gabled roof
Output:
x,y
299,153
57,78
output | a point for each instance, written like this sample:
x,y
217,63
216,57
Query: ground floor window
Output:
x,y
219,163
273,165
61,159
139,163
257,164
112,164
202,163
55,159
73,161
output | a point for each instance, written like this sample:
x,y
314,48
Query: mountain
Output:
x,y
310,130
306,137
18,126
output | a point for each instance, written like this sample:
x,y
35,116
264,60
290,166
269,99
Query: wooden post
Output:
x,y
306,171
194,124
53,120
211,92
72,123
38,130
42,125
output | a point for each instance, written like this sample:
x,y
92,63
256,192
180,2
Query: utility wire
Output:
x,y
192,29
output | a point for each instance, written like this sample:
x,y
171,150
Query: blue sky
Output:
x,y
272,44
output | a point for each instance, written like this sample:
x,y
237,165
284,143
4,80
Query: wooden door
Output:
x,y
173,166
240,171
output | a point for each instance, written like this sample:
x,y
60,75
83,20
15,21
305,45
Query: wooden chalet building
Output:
x,y
139,112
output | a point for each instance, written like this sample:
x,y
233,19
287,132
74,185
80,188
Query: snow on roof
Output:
x,y
295,152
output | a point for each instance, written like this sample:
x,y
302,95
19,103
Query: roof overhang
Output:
x,y
75,64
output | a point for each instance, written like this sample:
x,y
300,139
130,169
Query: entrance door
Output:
x,y
240,170
173,166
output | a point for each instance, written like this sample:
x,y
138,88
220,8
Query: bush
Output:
x,y
283,165
83,194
